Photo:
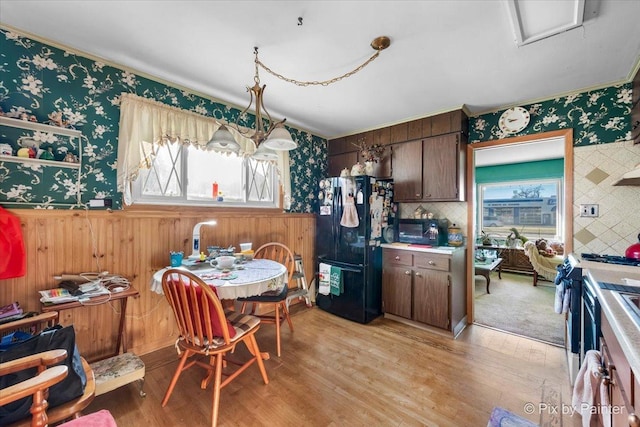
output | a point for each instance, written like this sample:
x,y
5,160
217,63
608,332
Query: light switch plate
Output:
x,y
590,210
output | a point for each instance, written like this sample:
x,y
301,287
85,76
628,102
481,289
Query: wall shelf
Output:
x,y
74,138
57,163
40,127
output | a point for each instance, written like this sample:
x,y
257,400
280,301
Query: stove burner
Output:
x,y
611,259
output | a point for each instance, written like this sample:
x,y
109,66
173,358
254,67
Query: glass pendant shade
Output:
x,y
223,141
264,153
280,140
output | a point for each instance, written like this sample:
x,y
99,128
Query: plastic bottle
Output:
x,y
215,190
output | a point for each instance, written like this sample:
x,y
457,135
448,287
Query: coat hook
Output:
x,y
299,20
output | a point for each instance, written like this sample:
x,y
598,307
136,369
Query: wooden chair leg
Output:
x,y
277,319
286,315
216,390
535,278
174,380
255,350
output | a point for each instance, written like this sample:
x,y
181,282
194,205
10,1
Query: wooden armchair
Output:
x,y
542,266
59,413
37,386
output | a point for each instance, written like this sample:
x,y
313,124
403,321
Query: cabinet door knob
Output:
x,y
417,194
432,263
397,258
418,274
408,273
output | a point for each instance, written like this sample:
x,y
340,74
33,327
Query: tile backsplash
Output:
x,y
596,168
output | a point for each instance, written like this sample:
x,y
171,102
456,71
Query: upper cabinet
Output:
x,y
429,169
406,161
425,157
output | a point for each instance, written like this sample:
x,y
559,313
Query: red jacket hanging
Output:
x,y
13,259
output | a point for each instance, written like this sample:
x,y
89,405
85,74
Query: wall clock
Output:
x,y
514,120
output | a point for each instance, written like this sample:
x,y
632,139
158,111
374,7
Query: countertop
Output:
x,y
447,250
622,320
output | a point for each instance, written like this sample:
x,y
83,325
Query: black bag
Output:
x,y
72,386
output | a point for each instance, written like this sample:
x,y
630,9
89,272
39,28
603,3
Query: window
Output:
x,y
183,174
533,208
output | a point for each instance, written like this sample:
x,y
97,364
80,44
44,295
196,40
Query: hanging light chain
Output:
x,y
316,82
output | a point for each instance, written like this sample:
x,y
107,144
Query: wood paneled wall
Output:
x,y
135,243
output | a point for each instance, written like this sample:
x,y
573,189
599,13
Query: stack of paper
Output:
x,y
61,295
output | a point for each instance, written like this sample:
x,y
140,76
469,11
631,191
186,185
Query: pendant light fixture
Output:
x,y
271,136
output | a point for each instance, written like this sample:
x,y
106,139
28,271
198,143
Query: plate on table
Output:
x,y
219,276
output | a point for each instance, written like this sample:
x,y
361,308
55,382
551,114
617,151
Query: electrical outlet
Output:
x,y
100,203
589,211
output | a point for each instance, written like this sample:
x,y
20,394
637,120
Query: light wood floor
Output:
x,y
334,372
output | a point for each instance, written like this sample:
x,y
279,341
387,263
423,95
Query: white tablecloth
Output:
x,y
257,276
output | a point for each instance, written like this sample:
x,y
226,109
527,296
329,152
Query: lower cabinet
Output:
x,y
424,287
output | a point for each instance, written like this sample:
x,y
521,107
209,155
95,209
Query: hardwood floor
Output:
x,y
334,372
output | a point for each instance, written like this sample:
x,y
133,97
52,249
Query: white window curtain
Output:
x,y
145,123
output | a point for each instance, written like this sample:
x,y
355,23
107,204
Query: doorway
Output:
x,y
517,150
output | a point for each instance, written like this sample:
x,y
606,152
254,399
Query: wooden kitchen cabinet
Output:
x,y
443,168
337,162
406,163
429,169
425,288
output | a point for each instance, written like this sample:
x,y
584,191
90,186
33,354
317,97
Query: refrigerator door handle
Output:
x,y
350,270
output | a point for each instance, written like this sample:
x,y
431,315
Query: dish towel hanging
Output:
x,y
335,282
590,394
349,214
324,279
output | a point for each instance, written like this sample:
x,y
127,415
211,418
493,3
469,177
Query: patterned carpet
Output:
x,y
516,306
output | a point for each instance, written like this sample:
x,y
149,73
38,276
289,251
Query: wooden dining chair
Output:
x,y
206,329
277,298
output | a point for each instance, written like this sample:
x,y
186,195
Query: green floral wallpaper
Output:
x,y
597,117
37,80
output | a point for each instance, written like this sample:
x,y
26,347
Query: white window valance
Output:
x,y
145,123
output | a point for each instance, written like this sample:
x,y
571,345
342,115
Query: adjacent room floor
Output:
x,y
515,305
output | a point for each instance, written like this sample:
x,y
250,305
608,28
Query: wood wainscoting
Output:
x,y
135,243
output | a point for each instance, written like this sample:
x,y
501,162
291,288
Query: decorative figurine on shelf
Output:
x,y
29,147
6,150
56,119
70,158
47,154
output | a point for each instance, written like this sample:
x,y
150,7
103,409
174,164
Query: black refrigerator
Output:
x,y
354,215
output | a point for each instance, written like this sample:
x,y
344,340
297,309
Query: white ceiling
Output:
x,y
443,54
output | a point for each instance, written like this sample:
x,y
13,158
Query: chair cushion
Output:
x,y
215,324
102,418
269,296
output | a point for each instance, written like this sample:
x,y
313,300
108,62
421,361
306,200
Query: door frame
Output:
x,y
567,135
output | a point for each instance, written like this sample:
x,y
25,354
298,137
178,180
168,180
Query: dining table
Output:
x,y
245,279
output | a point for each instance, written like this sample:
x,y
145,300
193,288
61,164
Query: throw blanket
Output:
x,y
590,395
324,279
336,284
546,267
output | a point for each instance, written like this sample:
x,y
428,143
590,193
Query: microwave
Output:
x,y
422,231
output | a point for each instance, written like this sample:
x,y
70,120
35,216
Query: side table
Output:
x,y
118,369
